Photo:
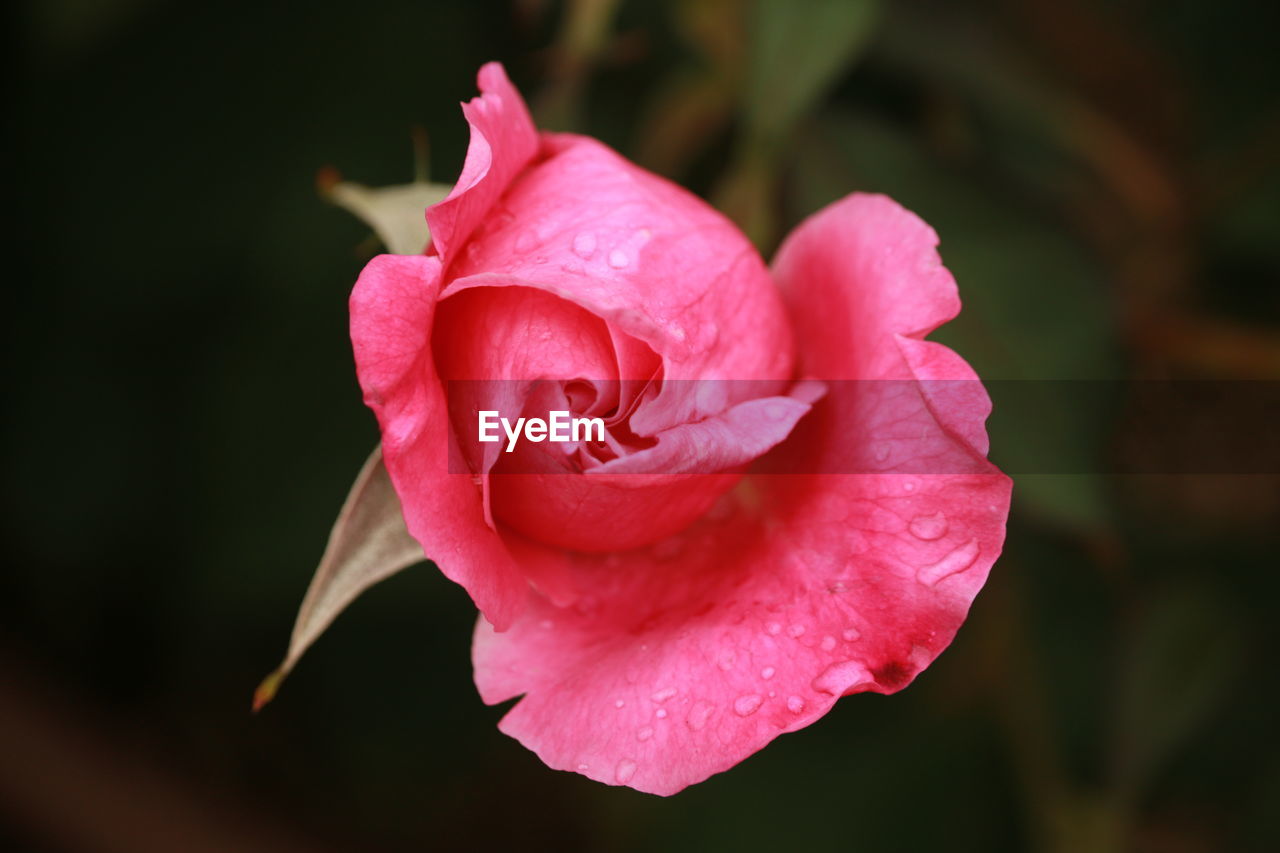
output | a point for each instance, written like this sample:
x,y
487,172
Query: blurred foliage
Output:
x,y
184,419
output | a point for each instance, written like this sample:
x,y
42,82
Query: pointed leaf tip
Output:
x,y
368,543
266,691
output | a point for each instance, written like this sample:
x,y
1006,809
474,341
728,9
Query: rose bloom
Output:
x,y
758,534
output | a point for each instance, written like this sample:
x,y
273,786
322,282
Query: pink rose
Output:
x,y
664,614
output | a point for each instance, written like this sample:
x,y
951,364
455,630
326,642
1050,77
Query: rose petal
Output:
x,y
748,628
503,141
681,659
821,268
392,307
728,440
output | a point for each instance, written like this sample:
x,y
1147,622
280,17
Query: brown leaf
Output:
x,y
369,543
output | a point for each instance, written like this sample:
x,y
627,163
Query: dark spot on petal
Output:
x,y
892,675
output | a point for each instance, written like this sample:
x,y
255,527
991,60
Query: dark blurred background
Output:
x,y
182,419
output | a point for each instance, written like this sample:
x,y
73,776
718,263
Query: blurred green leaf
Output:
x,y
797,49
694,103
1184,651
1048,135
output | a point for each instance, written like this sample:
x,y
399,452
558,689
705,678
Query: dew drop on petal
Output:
x,y
618,259
644,734
663,694
773,628
767,673
661,713
828,643
583,768
526,241
699,714
747,704
850,634
626,769
796,630
954,563
584,245
839,677
929,527
795,704
620,703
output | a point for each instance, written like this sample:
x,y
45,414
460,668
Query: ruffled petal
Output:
x,y
680,660
503,142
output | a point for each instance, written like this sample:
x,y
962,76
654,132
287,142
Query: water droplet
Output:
x,y
773,628
661,713
664,694
828,643
644,734
546,624
795,704
618,259
699,714
954,563
839,677
677,333
881,451
727,661
526,241
796,630
583,768
584,245
746,705
767,673
850,634
909,486
626,769
620,703
929,527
